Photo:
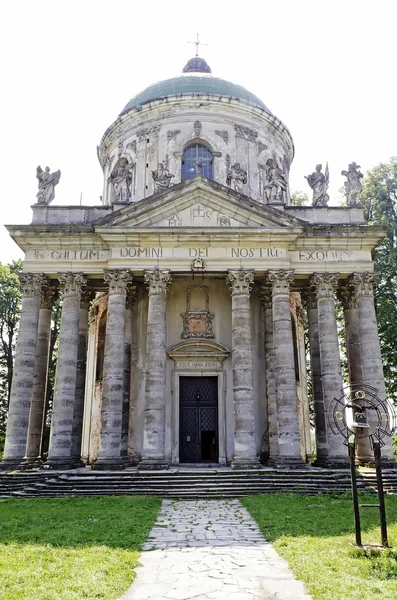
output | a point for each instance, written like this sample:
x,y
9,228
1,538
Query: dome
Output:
x,y
196,80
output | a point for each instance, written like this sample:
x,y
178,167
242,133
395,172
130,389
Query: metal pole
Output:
x,y
381,495
352,458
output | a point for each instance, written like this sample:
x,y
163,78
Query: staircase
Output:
x,y
184,483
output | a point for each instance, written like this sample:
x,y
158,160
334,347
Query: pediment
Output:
x,y
198,203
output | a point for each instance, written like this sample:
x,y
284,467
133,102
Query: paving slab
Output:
x,y
210,550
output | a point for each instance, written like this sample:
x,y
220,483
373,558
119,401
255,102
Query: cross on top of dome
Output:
x,y
197,64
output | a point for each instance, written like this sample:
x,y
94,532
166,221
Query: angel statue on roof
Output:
x,y
47,183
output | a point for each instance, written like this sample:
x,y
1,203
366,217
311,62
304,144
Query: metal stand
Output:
x,y
381,495
352,459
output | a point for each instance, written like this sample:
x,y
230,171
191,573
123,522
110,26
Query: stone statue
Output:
x,y
47,183
353,185
276,183
162,178
236,178
319,183
121,180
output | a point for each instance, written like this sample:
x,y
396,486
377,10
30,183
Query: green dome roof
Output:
x,y
193,84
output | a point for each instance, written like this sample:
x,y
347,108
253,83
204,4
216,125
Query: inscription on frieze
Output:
x,y
207,252
84,255
320,255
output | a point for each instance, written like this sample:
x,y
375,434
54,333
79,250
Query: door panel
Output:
x,y
198,419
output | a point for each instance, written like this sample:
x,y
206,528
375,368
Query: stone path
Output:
x,y
210,550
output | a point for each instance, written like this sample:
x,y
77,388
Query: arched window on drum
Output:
x,y
197,160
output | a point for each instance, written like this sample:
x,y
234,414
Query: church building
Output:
x,y
186,294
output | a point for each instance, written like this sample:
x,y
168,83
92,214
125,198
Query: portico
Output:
x,y
186,293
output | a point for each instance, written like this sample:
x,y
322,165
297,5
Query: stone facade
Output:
x,y
182,331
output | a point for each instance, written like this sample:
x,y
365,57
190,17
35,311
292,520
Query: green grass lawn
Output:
x,y
71,548
315,534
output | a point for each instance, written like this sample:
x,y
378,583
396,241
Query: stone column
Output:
x,y
109,455
266,297
289,453
153,451
24,368
245,452
78,410
346,294
324,286
130,304
37,407
361,285
317,386
60,448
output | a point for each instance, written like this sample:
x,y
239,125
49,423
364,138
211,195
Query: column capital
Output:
x,y
280,280
265,295
157,281
362,284
87,295
311,297
347,296
32,284
240,282
117,281
73,283
131,298
47,297
324,284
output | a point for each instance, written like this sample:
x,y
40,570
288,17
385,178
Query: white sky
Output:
x,y
327,68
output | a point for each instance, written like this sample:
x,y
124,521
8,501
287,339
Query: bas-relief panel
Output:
x,y
199,215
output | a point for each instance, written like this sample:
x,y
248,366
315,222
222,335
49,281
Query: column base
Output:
x,y
11,464
153,464
388,463
31,462
337,462
286,462
63,463
245,463
110,464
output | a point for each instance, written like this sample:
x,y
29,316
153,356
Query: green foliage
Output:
x,y
72,548
299,198
315,534
10,303
380,205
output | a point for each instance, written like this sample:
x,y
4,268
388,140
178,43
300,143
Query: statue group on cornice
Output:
x,y
319,183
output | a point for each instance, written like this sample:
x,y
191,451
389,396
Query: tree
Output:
x,y
299,198
379,198
10,304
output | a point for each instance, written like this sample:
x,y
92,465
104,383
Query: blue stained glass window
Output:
x,y
197,160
